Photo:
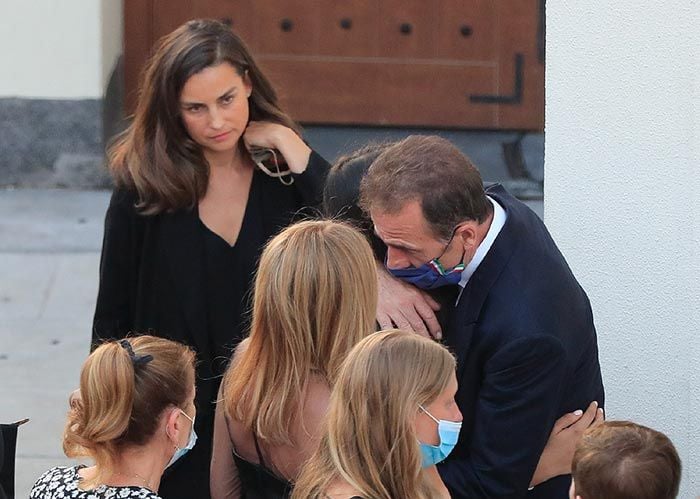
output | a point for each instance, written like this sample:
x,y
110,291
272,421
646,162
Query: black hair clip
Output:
x,y
138,360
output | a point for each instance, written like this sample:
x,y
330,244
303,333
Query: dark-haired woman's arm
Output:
x,y
113,315
310,183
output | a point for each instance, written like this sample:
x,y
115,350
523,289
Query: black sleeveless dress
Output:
x,y
258,481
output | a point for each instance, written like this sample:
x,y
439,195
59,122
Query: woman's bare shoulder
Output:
x,y
241,348
318,395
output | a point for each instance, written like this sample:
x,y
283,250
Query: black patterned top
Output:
x,y
61,482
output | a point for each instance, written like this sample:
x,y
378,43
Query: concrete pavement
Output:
x,y
49,257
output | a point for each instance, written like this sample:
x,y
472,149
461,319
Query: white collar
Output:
x,y
499,220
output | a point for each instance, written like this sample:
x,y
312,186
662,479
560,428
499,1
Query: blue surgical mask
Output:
x,y
432,274
449,434
190,443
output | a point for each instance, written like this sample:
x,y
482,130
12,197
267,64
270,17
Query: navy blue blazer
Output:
x,y
526,351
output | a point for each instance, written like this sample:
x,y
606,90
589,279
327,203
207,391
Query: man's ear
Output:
x,y
466,233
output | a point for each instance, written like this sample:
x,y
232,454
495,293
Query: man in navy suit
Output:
x,y
522,327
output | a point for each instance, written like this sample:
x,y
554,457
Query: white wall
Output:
x,y
622,199
112,17
57,49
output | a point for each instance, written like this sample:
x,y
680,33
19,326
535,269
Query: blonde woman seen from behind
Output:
x,y
134,417
315,299
382,440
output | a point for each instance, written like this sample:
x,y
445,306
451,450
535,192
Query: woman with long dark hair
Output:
x,y
193,207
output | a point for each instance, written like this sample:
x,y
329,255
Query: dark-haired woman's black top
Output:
x,y
168,275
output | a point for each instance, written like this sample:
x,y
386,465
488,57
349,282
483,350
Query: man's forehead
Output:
x,y
409,214
406,224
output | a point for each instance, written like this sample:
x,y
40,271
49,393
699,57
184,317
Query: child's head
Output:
x,y
624,460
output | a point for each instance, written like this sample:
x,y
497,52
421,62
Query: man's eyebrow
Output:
x,y
401,247
395,245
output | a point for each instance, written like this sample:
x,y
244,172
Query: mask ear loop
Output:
x,y
278,174
429,415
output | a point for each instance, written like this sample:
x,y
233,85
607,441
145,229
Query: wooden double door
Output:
x,y
475,64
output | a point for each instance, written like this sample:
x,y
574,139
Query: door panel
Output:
x,y
241,15
349,29
407,29
519,35
378,93
466,30
169,14
289,27
445,63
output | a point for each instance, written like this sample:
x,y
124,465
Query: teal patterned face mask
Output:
x,y
449,434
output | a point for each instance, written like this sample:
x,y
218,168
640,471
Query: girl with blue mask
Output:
x,y
391,418
376,430
448,434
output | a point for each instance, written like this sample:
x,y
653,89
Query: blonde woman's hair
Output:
x,y
122,398
315,298
370,440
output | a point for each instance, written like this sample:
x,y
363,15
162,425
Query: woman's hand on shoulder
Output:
x,y
264,134
559,451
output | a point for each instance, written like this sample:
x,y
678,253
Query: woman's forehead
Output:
x,y
211,82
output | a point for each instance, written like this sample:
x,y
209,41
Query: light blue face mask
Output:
x,y
449,434
190,443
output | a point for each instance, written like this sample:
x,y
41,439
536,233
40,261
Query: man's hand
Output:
x,y
559,451
406,307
